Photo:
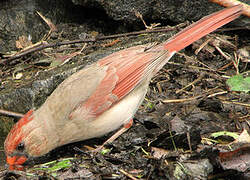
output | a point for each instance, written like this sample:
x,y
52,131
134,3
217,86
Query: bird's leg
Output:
x,y
116,135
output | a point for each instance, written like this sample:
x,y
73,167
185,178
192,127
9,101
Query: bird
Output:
x,y
103,96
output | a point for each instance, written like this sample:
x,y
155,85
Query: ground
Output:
x,y
187,101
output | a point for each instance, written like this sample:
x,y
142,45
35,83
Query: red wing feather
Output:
x,y
103,97
125,71
130,67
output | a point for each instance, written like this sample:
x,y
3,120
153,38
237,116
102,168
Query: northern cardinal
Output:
x,y
101,97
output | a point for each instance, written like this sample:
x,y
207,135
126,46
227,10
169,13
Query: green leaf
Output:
x,y
239,83
60,165
105,151
225,133
55,165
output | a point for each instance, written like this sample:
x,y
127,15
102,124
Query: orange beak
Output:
x,y
16,160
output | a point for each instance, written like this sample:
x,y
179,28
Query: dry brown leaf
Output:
x,y
159,153
23,42
239,158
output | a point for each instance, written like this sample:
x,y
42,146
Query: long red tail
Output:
x,y
202,27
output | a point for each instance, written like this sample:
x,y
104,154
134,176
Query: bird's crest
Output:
x,y
15,137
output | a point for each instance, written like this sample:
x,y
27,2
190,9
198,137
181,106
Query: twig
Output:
x,y
204,95
203,64
232,29
196,67
49,23
44,45
234,102
222,53
230,3
225,66
3,173
139,15
181,100
192,83
216,94
23,174
127,174
202,46
10,113
189,141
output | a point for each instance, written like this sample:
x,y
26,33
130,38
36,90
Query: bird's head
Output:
x,y
24,141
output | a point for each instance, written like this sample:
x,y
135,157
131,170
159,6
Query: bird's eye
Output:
x,y
20,147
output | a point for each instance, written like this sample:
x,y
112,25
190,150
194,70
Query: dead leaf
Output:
x,y
94,34
158,153
111,43
239,158
243,138
244,54
23,42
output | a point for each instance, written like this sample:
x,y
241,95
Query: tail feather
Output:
x,y
201,28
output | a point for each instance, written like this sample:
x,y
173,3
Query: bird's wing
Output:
x,y
124,71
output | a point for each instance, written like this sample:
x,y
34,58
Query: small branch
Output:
x,y
234,102
10,113
127,174
42,46
190,84
180,100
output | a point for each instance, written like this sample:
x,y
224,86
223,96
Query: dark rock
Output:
x,y
19,18
162,11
